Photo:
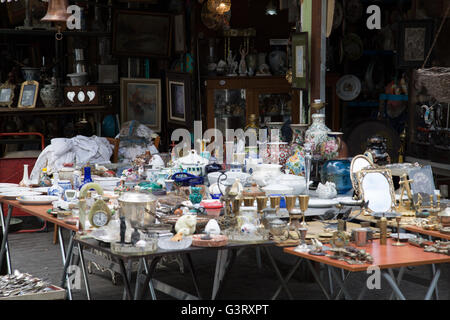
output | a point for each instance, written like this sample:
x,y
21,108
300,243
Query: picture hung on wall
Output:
x,y
178,98
414,42
7,94
28,94
141,101
300,60
140,33
179,33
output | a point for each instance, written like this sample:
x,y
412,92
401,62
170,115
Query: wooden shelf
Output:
x,y
49,33
62,110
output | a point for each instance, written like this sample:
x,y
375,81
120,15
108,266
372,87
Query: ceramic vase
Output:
x,y
51,96
274,125
338,172
195,196
276,152
317,134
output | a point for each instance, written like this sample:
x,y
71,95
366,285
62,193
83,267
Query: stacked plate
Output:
x,y
37,200
13,193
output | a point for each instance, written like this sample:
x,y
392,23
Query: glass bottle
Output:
x,y
87,177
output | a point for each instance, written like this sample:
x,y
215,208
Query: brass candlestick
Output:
x,y
248,201
275,201
304,200
398,243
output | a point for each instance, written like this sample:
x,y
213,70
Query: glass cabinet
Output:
x,y
231,100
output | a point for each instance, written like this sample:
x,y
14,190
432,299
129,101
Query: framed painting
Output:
x,y
28,94
141,101
179,33
178,87
140,33
7,94
300,60
414,43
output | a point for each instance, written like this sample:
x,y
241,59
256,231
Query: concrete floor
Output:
x,y
35,253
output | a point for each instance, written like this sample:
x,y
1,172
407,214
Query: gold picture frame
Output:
x,y
353,177
387,174
141,100
7,94
28,94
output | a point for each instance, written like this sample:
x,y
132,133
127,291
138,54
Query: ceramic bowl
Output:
x,y
297,183
231,177
277,189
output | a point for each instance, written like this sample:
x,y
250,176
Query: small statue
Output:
x,y
243,64
123,228
232,64
135,237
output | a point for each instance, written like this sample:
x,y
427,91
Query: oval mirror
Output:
x,y
377,188
359,163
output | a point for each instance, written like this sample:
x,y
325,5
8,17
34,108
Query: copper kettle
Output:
x,y
57,11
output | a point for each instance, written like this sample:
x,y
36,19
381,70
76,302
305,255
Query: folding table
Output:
x,y
386,258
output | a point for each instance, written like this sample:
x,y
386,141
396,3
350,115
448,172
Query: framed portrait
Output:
x,y
28,94
414,43
141,101
300,60
141,33
179,33
7,94
178,86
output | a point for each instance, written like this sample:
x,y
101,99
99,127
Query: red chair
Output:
x,y
11,170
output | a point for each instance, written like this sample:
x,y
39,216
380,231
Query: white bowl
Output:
x,y
231,177
297,183
277,189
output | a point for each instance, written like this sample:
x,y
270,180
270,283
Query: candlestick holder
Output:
x,y
398,243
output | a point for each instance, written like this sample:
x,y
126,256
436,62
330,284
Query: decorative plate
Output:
x,y
353,46
41,189
37,199
403,236
338,15
215,241
8,185
321,203
348,201
348,87
13,195
166,244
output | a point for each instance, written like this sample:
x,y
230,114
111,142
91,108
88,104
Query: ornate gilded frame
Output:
x,y
11,86
36,91
353,178
387,174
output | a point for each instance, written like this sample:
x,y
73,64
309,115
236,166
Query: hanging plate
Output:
x,y
348,87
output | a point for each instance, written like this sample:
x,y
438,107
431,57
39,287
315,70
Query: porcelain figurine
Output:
x,y
317,134
327,190
232,64
186,224
243,64
212,227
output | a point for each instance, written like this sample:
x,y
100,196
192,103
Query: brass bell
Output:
x,y
56,11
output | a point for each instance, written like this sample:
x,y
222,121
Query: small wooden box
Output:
x,y
81,95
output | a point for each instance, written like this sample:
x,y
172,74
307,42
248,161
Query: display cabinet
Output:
x,y
231,100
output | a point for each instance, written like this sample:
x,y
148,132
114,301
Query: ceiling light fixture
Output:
x,y
271,8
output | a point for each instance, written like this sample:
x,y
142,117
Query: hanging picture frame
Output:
x,y
414,42
28,94
300,69
179,30
141,101
141,33
7,94
178,91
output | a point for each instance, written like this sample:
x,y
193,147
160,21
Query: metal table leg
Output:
x,y
399,279
258,258
341,284
433,284
126,280
83,269
148,279
330,280
130,266
220,267
193,274
290,274
436,291
317,278
393,285
66,259
226,271
8,257
4,246
277,271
